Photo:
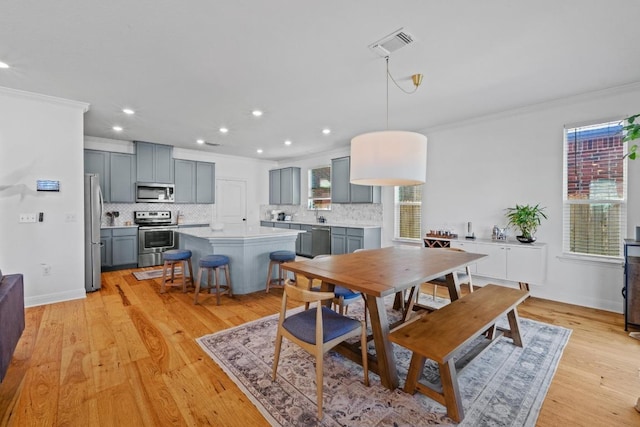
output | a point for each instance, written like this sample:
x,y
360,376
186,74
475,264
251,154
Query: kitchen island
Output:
x,y
247,246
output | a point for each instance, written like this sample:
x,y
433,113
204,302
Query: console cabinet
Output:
x,y
631,290
342,191
511,261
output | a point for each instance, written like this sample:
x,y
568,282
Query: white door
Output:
x,y
231,201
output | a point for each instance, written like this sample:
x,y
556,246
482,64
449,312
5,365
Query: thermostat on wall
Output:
x,y
47,185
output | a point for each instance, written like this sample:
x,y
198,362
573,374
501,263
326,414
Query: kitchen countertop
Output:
x,y
327,224
240,231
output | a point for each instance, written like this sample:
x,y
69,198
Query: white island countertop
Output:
x,y
237,231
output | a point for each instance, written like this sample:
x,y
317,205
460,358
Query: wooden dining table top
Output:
x,y
385,271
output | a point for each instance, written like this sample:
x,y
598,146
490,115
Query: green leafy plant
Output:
x,y
526,218
632,131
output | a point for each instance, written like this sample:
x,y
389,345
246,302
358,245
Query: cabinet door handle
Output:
x,y
624,293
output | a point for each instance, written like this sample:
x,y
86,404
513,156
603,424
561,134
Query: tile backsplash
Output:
x,y
189,213
356,213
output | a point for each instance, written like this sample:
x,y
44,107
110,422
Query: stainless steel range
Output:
x,y
156,234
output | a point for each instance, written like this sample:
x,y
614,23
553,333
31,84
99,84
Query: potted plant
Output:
x,y
632,131
526,218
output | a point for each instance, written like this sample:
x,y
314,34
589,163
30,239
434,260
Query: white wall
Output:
x,y
41,138
478,168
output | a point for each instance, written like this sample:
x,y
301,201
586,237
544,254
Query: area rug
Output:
x,y
504,386
152,274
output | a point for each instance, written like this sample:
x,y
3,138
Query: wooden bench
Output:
x,y
441,334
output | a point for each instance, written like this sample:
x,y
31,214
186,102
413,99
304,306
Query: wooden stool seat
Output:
x,y
171,258
276,259
212,264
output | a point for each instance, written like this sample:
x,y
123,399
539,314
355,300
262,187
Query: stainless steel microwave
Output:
x,y
151,192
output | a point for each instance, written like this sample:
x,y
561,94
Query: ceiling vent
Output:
x,y
212,144
394,41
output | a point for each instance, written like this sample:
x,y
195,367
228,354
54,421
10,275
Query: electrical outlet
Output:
x,y
71,217
27,217
46,269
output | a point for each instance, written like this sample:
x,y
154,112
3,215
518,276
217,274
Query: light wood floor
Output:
x,y
126,356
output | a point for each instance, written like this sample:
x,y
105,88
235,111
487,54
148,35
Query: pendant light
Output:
x,y
389,157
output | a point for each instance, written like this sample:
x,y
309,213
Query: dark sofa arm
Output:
x,y
11,318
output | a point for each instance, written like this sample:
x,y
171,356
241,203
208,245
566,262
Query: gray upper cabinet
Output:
x,y
205,182
154,162
117,172
98,162
284,186
185,181
274,187
194,181
123,178
342,191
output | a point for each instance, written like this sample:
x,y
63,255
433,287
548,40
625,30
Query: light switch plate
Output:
x,y
27,217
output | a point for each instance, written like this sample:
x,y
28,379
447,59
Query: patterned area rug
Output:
x,y
504,386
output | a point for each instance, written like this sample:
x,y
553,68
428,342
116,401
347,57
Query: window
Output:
x,y
595,190
408,212
320,188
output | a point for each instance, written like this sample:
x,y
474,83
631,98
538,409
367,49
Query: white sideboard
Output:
x,y
511,261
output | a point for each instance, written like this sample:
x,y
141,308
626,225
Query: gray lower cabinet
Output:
x,y
342,191
345,240
284,186
119,248
117,174
194,181
154,162
305,239
123,178
105,248
266,224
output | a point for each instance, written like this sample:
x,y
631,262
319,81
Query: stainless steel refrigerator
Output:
x,y
92,219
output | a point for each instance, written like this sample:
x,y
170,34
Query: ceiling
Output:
x,y
188,68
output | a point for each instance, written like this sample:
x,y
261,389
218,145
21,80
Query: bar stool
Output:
x,y
171,258
213,263
277,258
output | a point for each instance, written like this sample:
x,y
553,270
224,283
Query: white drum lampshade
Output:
x,y
389,158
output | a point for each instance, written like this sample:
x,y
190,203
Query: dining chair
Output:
x,y
414,294
460,278
316,331
343,296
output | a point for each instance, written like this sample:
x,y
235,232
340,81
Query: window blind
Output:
x,y
595,190
408,212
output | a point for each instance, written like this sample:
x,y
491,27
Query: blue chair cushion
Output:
x,y
213,261
282,256
176,254
340,291
303,325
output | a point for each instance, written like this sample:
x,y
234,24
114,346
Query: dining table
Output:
x,y
378,273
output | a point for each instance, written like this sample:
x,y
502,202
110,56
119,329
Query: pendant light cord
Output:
x,y
415,88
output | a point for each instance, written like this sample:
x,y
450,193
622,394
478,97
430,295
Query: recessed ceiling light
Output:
x,y
117,128
4,65
287,142
259,150
326,131
200,141
257,113
224,130
128,111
